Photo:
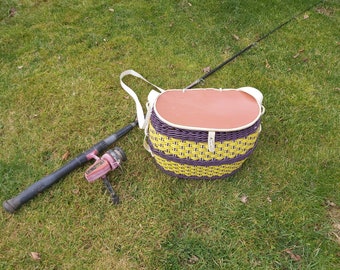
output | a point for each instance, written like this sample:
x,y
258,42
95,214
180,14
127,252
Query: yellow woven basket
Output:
x,y
189,156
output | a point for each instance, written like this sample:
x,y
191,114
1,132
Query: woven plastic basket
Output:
x,y
200,133
185,154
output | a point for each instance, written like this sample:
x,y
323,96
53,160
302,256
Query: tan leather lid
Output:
x,y
208,109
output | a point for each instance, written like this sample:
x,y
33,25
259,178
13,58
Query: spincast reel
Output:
x,y
110,161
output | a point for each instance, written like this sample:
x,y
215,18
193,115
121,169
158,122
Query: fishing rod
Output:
x,y
201,79
16,202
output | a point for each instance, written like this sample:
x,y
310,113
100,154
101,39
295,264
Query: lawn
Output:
x,y
60,94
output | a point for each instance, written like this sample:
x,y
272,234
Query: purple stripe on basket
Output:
x,y
200,136
213,162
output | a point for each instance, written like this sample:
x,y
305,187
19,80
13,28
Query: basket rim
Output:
x,y
199,135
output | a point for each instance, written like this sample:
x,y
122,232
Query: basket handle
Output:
x,y
256,94
253,92
151,97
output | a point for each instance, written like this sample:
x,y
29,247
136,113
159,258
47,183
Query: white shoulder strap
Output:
x,y
139,108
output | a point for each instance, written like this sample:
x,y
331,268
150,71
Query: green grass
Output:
x,y
60,92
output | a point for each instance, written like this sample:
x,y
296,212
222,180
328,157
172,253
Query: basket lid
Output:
x,y
208,109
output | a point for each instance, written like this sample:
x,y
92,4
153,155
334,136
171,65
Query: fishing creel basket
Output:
x,y
200,133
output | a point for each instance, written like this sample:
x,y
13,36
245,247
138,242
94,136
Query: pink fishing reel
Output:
x,y
102,166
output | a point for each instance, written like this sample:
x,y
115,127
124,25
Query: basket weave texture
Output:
x,y
184,153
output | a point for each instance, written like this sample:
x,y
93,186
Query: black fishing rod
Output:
x,y
199,80
16,202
